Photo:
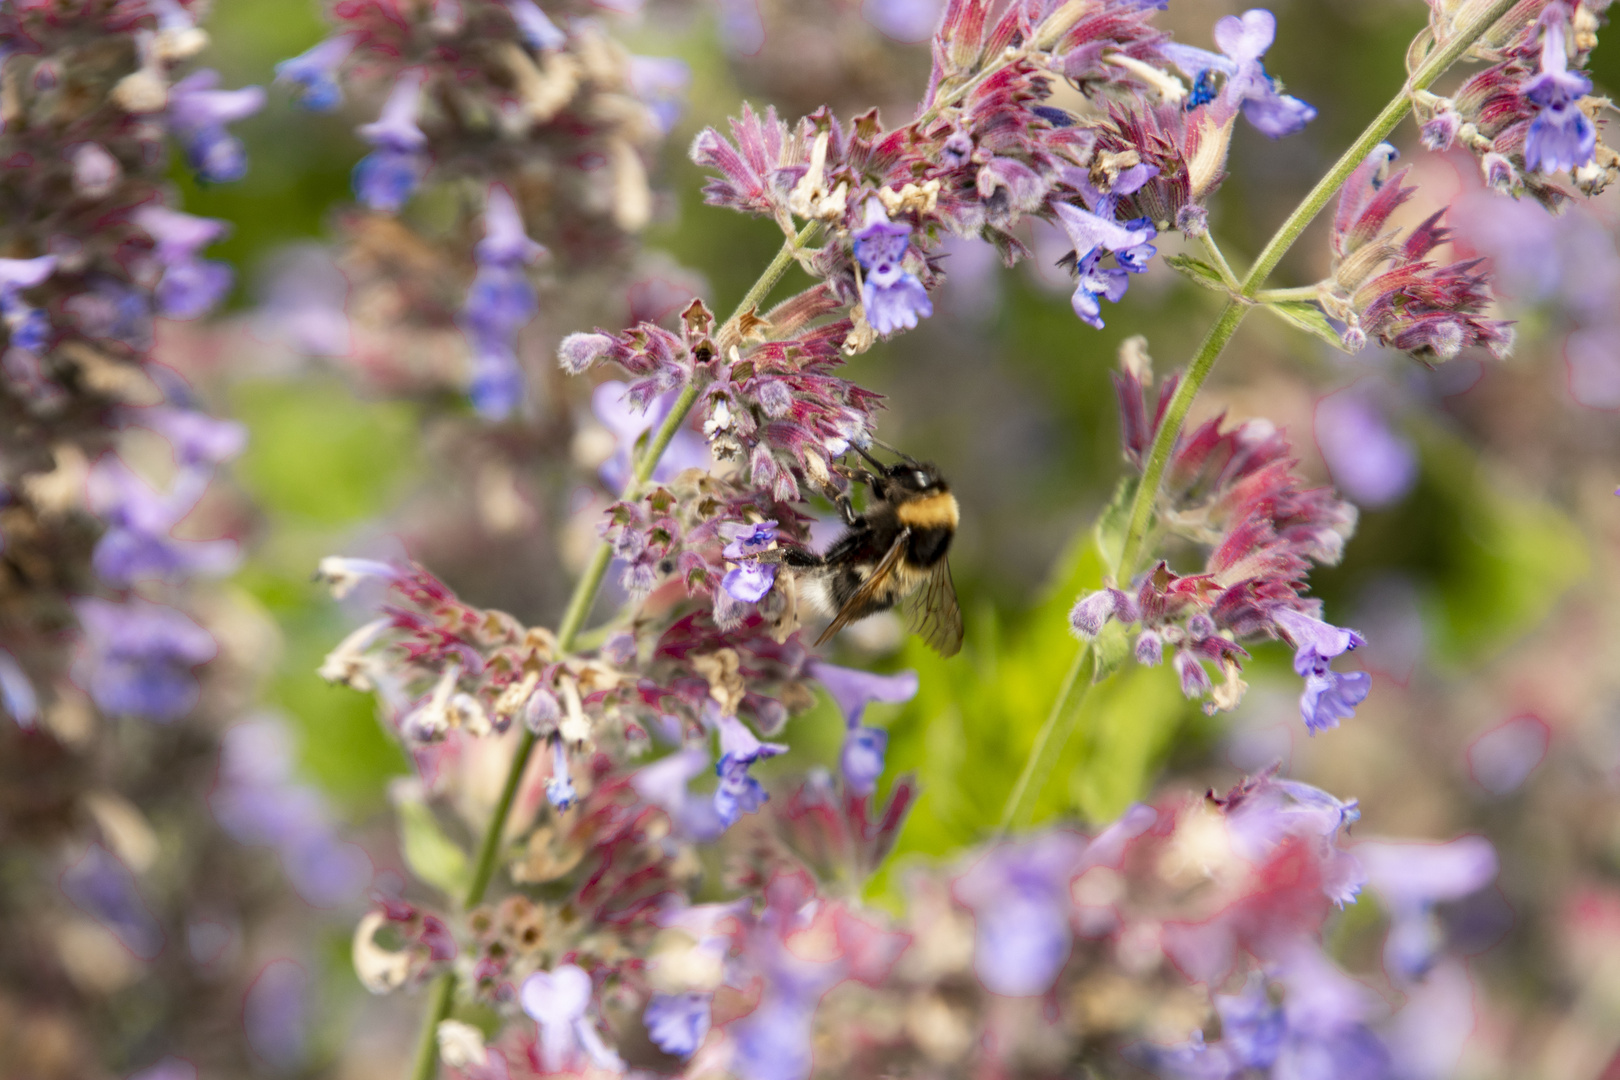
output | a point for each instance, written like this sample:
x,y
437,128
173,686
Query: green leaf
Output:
x,y
1308,317
1198,271
1110,651
432,856
1115,521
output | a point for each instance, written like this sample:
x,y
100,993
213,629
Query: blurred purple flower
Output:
x,y
738,793
1503,758
169,1068
893,297
677,1023
560,785
558,1000
303,303
862,757
1368,461
139,544
611,403
198,113
139,657
910,21
258,800
102,887
1410,878
385,178
539,32
664,785
741,28
109,310
190,286
314,73
661,83
28,327
17,695
276,1015
1094,237
499,303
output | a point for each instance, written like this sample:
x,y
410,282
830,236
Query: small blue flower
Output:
x,y
1561,137
190,286
560,785
17,695
139,544
314,73
862,758
1410,879
739,793
664,785
28,326
1094,237
892,296
677,1023
198,113
1330,696
500,301
101,886
749,580
558,1000
386,177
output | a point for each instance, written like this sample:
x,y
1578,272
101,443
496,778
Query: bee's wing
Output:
x,y
934,614
860,602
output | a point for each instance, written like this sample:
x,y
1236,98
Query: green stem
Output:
x,y
1169,431
1218,257
573,621
1301,292
1040,760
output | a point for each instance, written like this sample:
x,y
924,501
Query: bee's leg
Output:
x,y
798,558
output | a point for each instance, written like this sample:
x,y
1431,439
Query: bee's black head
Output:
x,y
913,478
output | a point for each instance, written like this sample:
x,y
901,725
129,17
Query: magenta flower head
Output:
x,y
893,297
1561,137
386,177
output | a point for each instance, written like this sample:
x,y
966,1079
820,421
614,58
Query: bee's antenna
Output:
x,y
896,451
874,461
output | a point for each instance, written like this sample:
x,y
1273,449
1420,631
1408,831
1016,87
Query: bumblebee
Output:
x,y
893,554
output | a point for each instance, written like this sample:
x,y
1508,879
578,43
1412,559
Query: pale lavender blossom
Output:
x,y
1243,40
139,544
661,82
892,296
560,791
100,885
1410,878
558,1000
909,21
1502,759
1561,137
29,328
748,579
17,695
314,73
1330,696
1094,237
539,32
190,286
678,1023
614,408
738,793
862,757
664,784
499,303
276,1014
1369,462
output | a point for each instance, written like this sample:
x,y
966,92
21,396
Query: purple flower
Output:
x,y
893,297
774,1042
1561,137
1019,893
258,801
190,286
1410,878
617,411
198,114
28,327
750,579
500,301
558,1000
102,887
664,785
139,657
910,21
304,302
677,1023
1243,41
660,82
862,758
17,693
139,544
385,178
1264,814
1094,237
169,1068
314,73
196,438
109,310
1504,757
738,793
276,1014
1330,696
538,31
1369,462
560,785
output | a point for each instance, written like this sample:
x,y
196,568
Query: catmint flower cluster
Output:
x,y
1529,118
543,112
1234,492
1386,287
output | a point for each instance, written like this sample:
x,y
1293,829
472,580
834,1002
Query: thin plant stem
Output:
x,y
1040,759
1243,297
1300,292
1218,257
1203,361
579,607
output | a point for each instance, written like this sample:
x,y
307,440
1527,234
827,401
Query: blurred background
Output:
x,y
1485,572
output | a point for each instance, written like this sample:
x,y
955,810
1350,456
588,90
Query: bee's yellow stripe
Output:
x,y
937,511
